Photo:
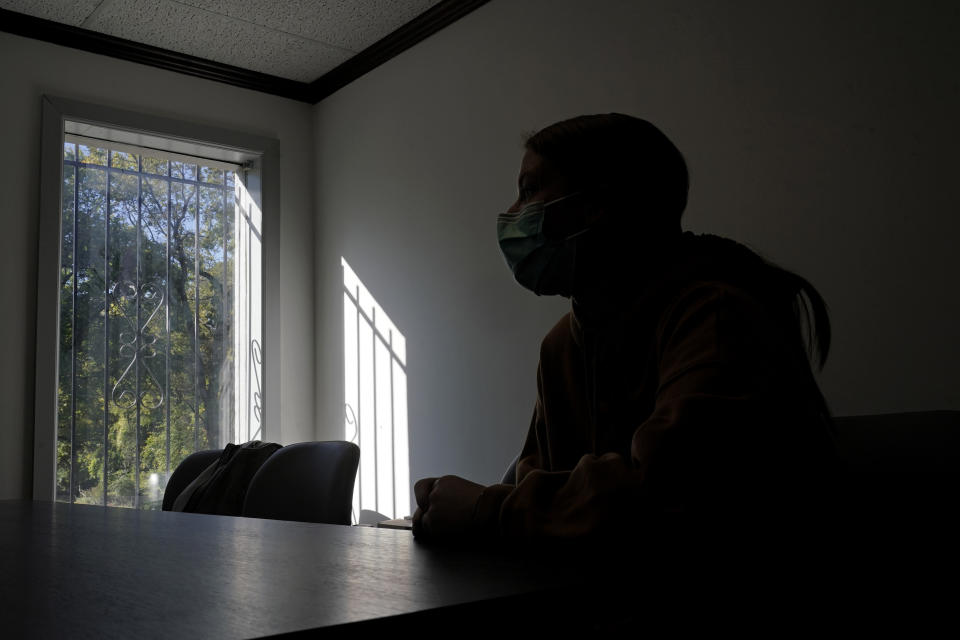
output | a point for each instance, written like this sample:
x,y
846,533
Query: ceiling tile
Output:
x,y
294,39
350,24
186,29
306,60
72,13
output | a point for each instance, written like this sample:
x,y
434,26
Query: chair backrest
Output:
x,y
902,462
916,442
186,472
308,481
220,489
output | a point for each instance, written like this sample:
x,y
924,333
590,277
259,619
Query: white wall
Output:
x,y
32,68
824,137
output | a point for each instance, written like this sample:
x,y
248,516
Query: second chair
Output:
x,y
308,481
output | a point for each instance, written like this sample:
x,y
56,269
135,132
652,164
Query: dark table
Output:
x,y
82,571
76,571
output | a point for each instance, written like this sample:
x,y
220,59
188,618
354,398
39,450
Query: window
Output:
x,y
151,333
375,384
159,340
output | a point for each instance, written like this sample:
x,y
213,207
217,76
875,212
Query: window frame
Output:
x,y
260,157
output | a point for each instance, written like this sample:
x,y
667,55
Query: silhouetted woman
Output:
x,y
678,387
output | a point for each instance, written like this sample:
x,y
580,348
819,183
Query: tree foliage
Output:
x,y
146,322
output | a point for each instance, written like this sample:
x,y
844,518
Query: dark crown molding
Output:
x,y
427,23
85,40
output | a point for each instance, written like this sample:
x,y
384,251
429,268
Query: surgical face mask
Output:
x,y
539,264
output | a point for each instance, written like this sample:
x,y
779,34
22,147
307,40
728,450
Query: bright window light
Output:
x,y
160,328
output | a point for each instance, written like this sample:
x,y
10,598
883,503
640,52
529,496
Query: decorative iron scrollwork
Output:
x,y
256,365
150,299
351,418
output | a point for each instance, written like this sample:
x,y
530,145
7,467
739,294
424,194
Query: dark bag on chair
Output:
x,y
221,488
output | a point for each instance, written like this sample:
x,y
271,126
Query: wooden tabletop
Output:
x,y
85,571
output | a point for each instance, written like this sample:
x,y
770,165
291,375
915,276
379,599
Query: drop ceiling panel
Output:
x,y
294,39
348,24
179,27
72,12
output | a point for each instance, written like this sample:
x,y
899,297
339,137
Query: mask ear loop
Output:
x,y
578,233
569,195
546,206
573,267
576,257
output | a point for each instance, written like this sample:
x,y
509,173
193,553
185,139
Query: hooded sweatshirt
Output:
x,y
689,396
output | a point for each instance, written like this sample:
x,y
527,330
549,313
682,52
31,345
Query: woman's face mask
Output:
x,y
540,264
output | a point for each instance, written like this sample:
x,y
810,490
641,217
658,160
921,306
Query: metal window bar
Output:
x,y
137,336
354,297
166,323
249,328
108,171
106,340
223,306
73,336
254,355
196,316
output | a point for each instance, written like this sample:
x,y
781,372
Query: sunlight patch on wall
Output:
x,y
375,404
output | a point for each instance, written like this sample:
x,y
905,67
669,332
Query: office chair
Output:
x,y
308,481
186,472
902,463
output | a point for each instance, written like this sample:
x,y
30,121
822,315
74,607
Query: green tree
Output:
x,y
145,322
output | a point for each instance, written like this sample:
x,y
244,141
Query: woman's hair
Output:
x,y
816,320
809,311
786,291
626,161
